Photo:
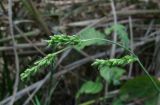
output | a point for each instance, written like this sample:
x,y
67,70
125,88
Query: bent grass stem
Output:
x,y
141,65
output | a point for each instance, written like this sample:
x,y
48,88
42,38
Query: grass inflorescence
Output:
x,y
115,62
42,63
56,40
64,40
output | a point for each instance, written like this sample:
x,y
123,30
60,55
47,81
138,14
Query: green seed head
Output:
x,y
64,40
115,62
42,63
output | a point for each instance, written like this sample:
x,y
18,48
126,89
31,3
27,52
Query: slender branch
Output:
x,y
115,33
37,89
33,33
29,41
131,44
15,51
113,49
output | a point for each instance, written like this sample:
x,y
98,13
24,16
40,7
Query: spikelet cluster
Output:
x,y
42,63
115,62
63,40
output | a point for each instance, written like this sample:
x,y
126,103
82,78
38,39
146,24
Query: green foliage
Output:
x,y
114,62
121,32
112,74
109,69
36,101
42,63
91,33
140,88
63,40
90,87
117,102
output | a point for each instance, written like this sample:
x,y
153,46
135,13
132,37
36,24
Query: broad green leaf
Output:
x,y
140,88
117,102
121,32
111,74
106,73
90,87
91,33
108,30
117,74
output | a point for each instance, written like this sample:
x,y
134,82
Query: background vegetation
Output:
x,y
62,44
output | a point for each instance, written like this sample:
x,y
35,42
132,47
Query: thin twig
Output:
x,y
29,41
23,46
18,36
15,51
115,33
131,44
113,49
149,28
23,92
38,87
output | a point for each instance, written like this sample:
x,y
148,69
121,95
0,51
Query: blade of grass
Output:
x,y
35,13
51,91
9,82
16,83
37,101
